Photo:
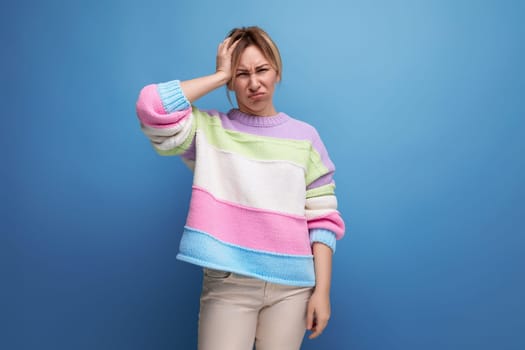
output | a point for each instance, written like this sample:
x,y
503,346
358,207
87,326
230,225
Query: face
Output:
x,y
254,82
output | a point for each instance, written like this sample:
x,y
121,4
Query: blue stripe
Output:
x,y
172,97
323,236
202,249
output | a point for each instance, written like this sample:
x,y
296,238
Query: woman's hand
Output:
x,y
196,88
318,313
224,57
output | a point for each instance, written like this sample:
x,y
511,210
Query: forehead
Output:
x,y
252,56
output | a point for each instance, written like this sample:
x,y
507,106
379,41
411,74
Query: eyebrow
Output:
x,y
257,67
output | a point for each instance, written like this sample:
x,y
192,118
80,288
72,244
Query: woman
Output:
x,y
263,217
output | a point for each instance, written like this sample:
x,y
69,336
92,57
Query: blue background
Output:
x,y
420,104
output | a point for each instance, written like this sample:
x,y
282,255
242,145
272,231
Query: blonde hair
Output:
x,y
254,36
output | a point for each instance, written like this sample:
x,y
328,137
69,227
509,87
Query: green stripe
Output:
x,y
315,168
255,147
324,190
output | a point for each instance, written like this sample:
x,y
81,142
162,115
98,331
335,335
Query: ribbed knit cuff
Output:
x,y
323,236
172,97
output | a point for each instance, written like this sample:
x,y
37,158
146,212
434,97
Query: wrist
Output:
x,y
322,289
223,77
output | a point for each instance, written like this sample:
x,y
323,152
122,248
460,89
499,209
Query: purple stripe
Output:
x,y
323,180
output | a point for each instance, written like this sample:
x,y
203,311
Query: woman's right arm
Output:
x,y
196,88
165,111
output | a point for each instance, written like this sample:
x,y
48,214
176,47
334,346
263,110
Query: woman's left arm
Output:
x,y
318,312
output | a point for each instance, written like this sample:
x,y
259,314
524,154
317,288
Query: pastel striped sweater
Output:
x,y
262,191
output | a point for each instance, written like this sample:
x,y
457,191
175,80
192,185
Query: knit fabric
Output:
x,y
263,189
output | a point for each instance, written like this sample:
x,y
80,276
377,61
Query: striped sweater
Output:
x,y
263,188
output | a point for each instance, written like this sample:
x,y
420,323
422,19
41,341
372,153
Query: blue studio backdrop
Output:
x,y
420,104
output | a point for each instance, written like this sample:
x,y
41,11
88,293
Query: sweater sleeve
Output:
x,y
324,220
166,118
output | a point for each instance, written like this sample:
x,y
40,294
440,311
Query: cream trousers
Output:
x,y
237,312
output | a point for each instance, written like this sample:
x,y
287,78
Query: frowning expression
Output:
x,y
254,81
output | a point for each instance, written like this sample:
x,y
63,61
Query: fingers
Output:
x,y
228,45
318,327
232,46
224,55
310,318
316,321
223,46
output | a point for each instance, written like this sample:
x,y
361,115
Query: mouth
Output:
x,y
256,95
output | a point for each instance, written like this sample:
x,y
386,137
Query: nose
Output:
x,y
253,83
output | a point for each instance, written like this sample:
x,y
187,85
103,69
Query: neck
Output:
x,y
258,121
268,111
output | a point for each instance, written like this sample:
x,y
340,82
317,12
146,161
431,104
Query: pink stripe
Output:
x,y
151,111
248,227
331,222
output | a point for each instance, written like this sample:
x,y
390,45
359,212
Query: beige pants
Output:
x,y
238,311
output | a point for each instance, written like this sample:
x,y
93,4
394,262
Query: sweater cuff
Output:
x,y
172,96
323,236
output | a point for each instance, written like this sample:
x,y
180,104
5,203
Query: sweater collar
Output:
x,y
258,121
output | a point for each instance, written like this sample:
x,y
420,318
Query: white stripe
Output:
x,y
271,185
148,130
312,214
320,206
166,139
322,202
